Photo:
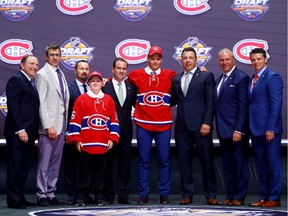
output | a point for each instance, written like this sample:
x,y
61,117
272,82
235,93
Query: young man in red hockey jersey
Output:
x,y
153,119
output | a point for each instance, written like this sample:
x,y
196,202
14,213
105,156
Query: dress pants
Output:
x,y
268,164
90,175
19,157
185,141
235,167
49,161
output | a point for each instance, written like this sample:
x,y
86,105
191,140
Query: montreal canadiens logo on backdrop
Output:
x,y
202,50
133,10
74,7
250,10
16,10
97,122
3,104
242,49
74,50
134,51
191,7
13,50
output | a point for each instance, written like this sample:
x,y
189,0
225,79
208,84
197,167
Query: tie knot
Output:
x,y
153,73
256,77
119,84
57,70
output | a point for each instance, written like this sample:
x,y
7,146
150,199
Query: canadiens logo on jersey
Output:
x,y
134,51
13,50
242,49
16,10
74,7
191,7
133,10
250,10
202,50
154,99
74,50
97,122
3,104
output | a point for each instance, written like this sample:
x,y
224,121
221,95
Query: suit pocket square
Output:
x,y
232,86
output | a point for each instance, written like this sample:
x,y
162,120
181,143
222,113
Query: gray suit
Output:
x,y
52,113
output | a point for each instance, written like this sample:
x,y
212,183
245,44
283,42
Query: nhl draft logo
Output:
x,y
13,50
3,104
74,7
250,10
242,49
191,7
134,51
133,10
16,10
74,50
202,50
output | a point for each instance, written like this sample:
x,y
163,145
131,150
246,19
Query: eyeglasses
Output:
x,y
51,55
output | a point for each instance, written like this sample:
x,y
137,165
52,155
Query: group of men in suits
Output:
x,y
232,98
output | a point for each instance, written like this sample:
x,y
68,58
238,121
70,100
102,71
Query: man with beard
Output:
x,y
76,88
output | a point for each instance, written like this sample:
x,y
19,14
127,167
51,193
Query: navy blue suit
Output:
x,y
121,151
231,114
23,113
195,109
70,154
266,101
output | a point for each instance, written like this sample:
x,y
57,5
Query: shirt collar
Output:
x,y
261,71
26,75
148,70
93,95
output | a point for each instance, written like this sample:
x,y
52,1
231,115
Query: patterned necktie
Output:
x,y
254,81
61,83
186,83
85,88
224,78
120,94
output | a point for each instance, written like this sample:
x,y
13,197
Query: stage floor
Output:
x,y
199,207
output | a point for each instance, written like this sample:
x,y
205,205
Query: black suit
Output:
x,y
23,113
192,111
122,150
70,153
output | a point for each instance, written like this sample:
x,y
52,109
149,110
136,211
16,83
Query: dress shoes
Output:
x,y
30,204
17,205
54,201
259,203
164,200
143,200
236,203
212,201
224,202
186,201
124,201
271,203
42,202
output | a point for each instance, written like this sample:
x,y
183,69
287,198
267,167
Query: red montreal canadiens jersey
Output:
x,y
93,122
152,110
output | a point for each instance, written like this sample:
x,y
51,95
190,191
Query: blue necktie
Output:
x,y
224,78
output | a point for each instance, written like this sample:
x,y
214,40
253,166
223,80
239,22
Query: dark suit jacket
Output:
x,y
74,92
231,106
23,107
197,107
266,101
124,113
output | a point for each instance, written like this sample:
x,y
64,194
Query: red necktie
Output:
x,y
254,81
